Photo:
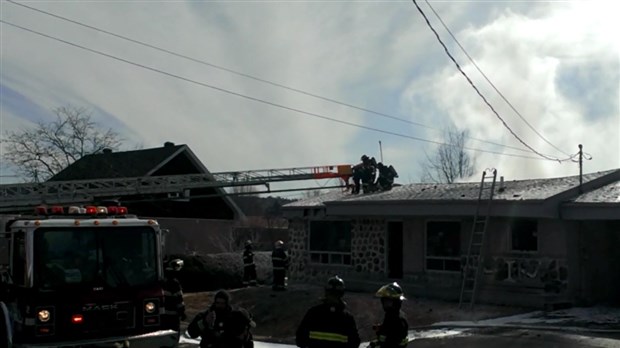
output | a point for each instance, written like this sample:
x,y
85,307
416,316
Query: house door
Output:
x,y
395,249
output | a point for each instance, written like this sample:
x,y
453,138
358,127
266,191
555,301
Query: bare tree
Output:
x,y
450,162
40,152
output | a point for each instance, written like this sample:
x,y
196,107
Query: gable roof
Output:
x,y
144,162
125,164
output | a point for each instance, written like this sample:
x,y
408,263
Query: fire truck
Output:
x,y
82,276
92,276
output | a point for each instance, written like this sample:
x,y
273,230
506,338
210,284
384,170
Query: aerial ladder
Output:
x,y
15,196
473,261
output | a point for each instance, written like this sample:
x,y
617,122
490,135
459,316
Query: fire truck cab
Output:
x,y
82,276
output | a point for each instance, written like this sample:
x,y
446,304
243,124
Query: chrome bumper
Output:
x,y
157,339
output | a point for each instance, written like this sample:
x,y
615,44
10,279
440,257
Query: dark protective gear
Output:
x,y
392,333
249,268
328,325
385,181
335,285
392,290
280,262
364,173
210,325
237,333
174,306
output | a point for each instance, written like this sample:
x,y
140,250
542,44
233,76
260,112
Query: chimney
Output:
x,y
168,144
501,184
107,150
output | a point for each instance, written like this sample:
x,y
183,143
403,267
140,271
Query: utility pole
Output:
x,y
580,168
380,151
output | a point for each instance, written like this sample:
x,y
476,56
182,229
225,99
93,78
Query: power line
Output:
x,y
428,23
489,81
203,62
254,98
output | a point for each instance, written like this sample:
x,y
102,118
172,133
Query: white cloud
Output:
x,y
374,55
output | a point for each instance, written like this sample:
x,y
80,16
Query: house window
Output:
x,y
330,242
524,235
443,246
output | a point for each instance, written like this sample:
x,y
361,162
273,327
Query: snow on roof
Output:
x,y
516,190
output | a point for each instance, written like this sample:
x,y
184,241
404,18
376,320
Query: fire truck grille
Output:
x,y
109,317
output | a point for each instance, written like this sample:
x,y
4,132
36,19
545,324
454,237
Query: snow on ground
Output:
x,y
568,319
413,335
578,317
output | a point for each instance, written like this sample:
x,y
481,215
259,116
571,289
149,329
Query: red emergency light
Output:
x,y
40,210
77,319
91,210
57,209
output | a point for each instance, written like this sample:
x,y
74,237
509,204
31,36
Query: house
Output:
x,y
189,219
547,240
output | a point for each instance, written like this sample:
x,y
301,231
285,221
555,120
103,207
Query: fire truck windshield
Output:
x,y
112,257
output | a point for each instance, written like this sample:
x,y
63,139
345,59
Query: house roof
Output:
x,y
531,190
125,164
609,193
144,162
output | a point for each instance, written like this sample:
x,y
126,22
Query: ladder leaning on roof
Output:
x,y
473,261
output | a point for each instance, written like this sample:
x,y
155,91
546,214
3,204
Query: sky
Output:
x,y
555,64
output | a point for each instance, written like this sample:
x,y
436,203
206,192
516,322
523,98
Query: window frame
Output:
x,y
329,255
443,259
511,229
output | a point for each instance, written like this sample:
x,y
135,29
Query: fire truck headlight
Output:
x,y
150,307
44,315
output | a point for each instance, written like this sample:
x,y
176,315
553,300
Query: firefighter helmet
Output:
x,y
175,265
248,243
392,290
279,244
335,285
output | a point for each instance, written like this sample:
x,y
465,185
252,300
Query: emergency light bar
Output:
x,y
76,210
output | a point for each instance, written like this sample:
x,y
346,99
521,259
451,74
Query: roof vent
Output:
x,y
107,150
501,184
168,144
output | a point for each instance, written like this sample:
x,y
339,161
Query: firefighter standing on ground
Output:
x,y
211,324
392,333
249,268
174,307
329,324
280,262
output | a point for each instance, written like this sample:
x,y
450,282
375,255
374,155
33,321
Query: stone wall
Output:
x,y
368,246
367,253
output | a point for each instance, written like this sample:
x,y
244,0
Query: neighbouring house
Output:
x,y
547,240
201,222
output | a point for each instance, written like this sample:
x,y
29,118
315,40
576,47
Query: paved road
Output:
x,y
498,337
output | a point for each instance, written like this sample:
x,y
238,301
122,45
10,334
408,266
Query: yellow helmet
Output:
x,y
392,290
